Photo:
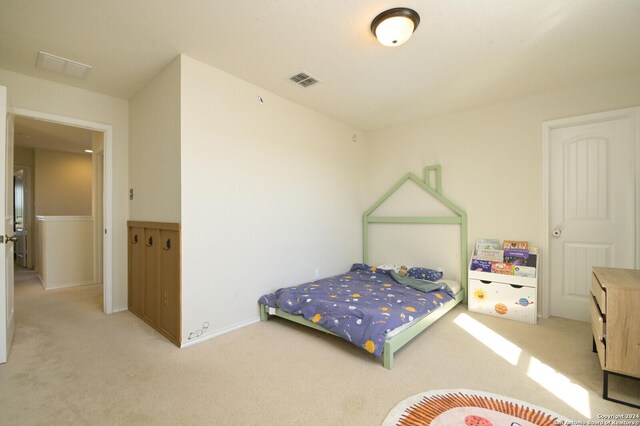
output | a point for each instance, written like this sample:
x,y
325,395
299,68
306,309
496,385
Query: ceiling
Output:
x,y
30,133
463,54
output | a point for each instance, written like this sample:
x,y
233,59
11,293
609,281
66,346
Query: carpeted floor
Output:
x,y
71,364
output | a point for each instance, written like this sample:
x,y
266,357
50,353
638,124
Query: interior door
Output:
x,y
6,227
591,215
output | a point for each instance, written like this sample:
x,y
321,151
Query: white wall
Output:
x,y
270,193
63,183
65,265
54,98
154,148
491,156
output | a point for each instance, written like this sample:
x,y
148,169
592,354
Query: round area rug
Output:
x,y
469,408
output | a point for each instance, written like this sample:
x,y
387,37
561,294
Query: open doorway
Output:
x,y
108,197
58,188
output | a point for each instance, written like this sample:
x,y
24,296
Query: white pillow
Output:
x,y
389,267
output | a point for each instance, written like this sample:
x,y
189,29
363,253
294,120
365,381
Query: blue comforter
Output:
x,y
361,306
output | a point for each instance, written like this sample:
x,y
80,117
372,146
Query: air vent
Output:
x,y
65,66
303,79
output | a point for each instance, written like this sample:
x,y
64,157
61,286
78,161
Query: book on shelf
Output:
x,y
516,256
512,244
484,243
532,260
480,265
490,254
502,268
524,271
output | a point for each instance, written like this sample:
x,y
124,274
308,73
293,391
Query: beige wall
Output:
x,y
23,156
491,156
63,183
270,194
154,150
65,265
53,98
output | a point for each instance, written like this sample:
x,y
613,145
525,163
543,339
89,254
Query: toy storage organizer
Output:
x,y
504,296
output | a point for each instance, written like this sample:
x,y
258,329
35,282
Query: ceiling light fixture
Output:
x,y
394,27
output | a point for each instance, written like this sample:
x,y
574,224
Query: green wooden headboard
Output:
x,y
435,190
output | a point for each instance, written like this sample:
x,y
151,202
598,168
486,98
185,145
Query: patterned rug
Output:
x,y
469,408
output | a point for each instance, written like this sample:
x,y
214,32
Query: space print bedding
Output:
x,y
365,305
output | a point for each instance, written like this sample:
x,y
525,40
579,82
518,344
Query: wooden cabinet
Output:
x,y
169,319
615,322
154,276
136,269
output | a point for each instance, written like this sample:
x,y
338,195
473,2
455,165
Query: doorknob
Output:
x,y
7,238
556,232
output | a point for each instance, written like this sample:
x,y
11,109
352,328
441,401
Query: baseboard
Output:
x,y
41,281
234,327
65,285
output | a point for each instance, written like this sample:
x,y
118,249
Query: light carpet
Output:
x,y
469,408
70,364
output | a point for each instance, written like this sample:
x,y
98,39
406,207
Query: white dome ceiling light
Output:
x,y
394,27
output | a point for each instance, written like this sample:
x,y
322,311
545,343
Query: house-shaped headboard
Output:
x,y
434,189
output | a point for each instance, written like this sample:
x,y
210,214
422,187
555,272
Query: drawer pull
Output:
x,y
150,243
516,286
485,282
135,239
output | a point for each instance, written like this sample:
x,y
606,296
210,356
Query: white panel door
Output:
x,y
6,227
591,210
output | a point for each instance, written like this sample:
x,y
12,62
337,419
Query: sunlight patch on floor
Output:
x,y
498,344
561,386
557,384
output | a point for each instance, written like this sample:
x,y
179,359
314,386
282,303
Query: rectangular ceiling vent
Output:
x,y
61,65
303,79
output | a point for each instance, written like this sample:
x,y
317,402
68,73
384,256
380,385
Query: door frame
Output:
x,y
633,114
107,130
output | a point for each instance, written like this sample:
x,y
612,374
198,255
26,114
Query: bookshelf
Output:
x,y
503,295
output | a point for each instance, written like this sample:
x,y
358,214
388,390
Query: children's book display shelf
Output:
x,y
503,295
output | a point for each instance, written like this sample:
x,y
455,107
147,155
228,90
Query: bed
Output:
x,y
379,308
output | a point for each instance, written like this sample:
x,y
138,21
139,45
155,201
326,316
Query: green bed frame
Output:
x,y
459,217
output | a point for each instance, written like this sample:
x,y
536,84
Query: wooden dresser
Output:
x,y
154,276
615,322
